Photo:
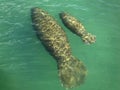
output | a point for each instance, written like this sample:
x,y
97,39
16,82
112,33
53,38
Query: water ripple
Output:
x,y
116,5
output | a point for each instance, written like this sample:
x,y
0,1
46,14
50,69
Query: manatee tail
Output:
x,y
72,73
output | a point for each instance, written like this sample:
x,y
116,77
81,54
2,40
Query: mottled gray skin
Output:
x,y
71,71
76,27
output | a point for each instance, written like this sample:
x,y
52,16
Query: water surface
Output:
x,y
26,65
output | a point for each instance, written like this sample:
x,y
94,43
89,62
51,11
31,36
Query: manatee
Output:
x,y
71,71
76,27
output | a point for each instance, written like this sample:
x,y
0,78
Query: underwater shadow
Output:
x,y
5,82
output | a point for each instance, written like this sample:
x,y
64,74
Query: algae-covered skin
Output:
x,y
76,27
71,71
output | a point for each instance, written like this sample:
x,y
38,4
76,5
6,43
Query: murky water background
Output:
x,y
26,65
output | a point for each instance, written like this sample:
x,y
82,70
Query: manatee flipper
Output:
x,y
71,71
76,27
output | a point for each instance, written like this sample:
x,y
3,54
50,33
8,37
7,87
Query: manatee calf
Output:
x,y
71,70
76,27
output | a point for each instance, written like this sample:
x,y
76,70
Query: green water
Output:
x,y
26,65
